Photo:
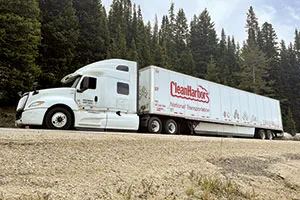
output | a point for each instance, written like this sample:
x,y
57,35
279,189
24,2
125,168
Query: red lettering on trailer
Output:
x,y
199,94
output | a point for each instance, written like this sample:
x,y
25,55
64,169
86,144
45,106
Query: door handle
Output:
x,y
96,98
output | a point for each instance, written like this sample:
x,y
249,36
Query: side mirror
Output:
x,y
20,94
34,85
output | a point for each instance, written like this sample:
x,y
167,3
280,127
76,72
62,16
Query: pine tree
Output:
x,y
118,47
93,33
19,38
59,39
212,71
283,90
156,49
269,46
183,61
133,55
254,74
115,19
143,41
164,42
134,24
296,83
233,60
252,27
290,123
255,65
297,44
181,32
170,37
203,41
165,60
222,60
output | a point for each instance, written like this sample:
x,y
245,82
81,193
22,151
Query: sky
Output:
x,y
284,15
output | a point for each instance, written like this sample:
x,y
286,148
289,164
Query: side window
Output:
x,y
123,68
122,88
88,83
92,83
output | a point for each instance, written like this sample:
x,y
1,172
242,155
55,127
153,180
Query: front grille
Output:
x,y
22,102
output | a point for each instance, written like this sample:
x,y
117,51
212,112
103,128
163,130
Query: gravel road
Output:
x,y
45,164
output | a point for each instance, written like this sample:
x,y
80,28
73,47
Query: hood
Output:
x,y
57,91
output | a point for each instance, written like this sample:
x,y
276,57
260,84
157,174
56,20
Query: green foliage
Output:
x,y
46,39
59,39
254,74
20,36
290,125
203,41
93,32
212,71
252,27
118,46
207,188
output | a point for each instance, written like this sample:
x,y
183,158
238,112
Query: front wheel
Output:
x,y
154,125
58,118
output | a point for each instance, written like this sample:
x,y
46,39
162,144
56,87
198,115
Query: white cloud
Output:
x,y
292,13
266,13
285,32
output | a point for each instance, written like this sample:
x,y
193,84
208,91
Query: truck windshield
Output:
x,y
75,82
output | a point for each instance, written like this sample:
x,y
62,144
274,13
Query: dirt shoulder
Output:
x,y
94,165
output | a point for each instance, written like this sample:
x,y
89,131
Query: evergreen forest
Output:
x,y
43,40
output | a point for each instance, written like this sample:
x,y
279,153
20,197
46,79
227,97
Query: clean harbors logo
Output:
x,y
199,94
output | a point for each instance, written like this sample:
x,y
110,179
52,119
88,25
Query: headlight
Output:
x,y
37,103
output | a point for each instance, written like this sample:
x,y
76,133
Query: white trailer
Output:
x,y
112,94
177,100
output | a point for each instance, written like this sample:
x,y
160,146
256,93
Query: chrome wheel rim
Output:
x,y
155,126
171,128
59,120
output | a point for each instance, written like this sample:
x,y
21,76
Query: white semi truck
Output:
x,y
114,95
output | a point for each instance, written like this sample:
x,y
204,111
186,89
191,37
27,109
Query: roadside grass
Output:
x,y
211,188
7,117
196,186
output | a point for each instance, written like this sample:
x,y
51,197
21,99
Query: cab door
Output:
x,y
87,97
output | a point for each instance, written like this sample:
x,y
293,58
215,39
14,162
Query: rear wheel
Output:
x,y
58,118
154,125
170,126
261,134
269,135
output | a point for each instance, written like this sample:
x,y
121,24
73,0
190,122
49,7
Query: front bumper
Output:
x,y
30,117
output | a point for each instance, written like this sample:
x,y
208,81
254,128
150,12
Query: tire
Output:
x,y
269,135
261,134
170,127
154,125
58,118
